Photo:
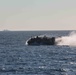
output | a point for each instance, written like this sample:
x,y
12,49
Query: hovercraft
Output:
x,y
37,40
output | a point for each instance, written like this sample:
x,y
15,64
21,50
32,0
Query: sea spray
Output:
x,y
67,40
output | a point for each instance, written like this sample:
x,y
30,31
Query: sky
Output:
x,y
38,14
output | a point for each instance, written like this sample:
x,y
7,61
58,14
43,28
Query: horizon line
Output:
x,y
6,30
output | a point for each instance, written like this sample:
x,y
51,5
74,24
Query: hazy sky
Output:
x,y
37,14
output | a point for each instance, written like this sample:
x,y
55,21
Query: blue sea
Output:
x,y
16,58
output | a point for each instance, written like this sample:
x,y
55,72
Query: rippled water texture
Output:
x,y
18,59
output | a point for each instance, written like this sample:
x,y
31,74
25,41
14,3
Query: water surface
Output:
x,y
18,59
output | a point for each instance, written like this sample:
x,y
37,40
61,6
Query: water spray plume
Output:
x,y
67,40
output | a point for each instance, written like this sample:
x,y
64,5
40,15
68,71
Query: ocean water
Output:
x,y
18,59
